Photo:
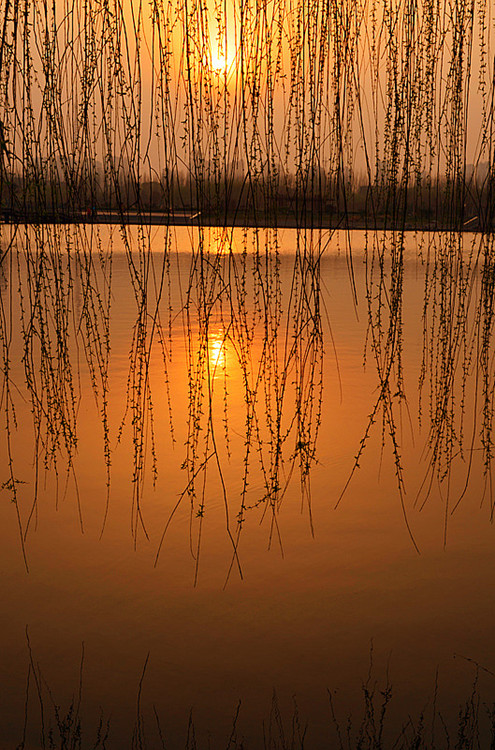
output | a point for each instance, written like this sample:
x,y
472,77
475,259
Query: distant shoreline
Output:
x,y
351,221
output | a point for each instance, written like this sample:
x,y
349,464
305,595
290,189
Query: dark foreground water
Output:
x,y
218,368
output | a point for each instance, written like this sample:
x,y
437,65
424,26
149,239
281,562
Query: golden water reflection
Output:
x,y
217,353
318,583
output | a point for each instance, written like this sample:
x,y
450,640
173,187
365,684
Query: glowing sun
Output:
x,y
220,63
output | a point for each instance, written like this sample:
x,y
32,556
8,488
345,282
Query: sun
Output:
x,y
220,63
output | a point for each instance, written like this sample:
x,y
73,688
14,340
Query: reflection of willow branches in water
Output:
x,y
458,349
485,324
139,399
62,303
8,386
234,310
456,377
448,349
384,257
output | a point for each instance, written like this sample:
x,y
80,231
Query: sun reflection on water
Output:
x,y
217,353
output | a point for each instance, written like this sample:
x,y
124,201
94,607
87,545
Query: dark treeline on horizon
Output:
x,y
424,203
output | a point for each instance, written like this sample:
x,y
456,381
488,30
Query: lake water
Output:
x,y
235,373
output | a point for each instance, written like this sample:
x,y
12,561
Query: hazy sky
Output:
x,y
284,83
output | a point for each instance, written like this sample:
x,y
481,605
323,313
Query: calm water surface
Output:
x,y
316,592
